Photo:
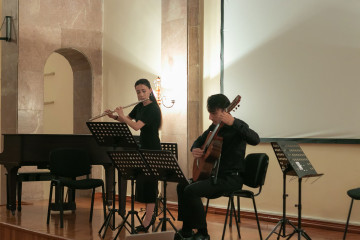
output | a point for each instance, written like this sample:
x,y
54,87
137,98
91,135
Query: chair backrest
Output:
x,y
69,162
256,165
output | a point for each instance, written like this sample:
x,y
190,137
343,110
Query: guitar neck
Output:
x,y
217,127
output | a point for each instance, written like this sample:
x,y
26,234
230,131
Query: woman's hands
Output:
x,y
110,114
120,112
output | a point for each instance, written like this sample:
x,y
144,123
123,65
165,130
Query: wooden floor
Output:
x,y
77,226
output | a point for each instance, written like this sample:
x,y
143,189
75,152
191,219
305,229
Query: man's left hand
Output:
x,y
227,119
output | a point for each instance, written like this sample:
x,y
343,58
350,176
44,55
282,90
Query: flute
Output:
x,y
106,113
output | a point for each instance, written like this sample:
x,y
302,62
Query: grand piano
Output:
x,y
33,150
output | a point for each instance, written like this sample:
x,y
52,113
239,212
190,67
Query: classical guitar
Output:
x,y
203,167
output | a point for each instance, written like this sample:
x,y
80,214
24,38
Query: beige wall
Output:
x,y
131,48
324,199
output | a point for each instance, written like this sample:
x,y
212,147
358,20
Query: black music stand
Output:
x,y
115,135
293,162
164,167
172,147
130,165
112,134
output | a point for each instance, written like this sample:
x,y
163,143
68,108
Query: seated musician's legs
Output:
x,y
190,207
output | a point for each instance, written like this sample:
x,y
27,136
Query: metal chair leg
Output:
x,y
92,204
236,217
61,193
50,198
103,199
207,206
257,217
238,208
227,215
348,218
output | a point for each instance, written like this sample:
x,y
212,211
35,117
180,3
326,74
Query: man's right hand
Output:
x,y
197,152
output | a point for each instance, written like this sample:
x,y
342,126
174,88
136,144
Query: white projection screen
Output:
x,y
296,65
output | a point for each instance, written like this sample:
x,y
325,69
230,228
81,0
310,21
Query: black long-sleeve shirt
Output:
x,y
235,138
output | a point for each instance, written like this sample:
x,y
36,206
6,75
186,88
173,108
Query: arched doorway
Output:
x,y
58,96
81,90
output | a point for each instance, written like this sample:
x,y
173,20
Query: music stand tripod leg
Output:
x,y
283,221
110,215
161,200
165,219
122,224
106,223
132,213
300,231
305,235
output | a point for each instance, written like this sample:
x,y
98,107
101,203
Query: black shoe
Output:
x,y
141,228
179,236
199,236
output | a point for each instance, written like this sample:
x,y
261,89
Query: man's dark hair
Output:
x,y
217,101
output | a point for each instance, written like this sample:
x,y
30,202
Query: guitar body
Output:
x,y
202,167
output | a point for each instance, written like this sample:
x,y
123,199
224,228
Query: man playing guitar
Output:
x,y
233,135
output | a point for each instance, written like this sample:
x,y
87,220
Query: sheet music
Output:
x,y
290,153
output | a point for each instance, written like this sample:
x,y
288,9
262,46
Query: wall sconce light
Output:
x,y
7,21
161,99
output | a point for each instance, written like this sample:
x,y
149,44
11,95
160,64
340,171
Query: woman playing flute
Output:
x,y
146,117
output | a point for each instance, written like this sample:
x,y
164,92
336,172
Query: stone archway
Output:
x,y
82,74
41,27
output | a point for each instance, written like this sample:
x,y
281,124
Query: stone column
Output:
x,y
195,53
181,77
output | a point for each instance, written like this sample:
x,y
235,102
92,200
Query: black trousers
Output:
x,y
190,207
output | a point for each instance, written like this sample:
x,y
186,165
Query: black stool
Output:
x,y
29,177
354,194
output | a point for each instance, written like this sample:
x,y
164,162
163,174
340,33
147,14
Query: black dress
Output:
x,y
147,187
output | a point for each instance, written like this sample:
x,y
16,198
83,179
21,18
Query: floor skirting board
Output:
x,y
276,218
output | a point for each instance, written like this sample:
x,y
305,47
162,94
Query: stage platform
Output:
x,y
30,224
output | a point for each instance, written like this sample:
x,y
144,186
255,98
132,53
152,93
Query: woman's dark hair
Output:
x,y
146,82
217,101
